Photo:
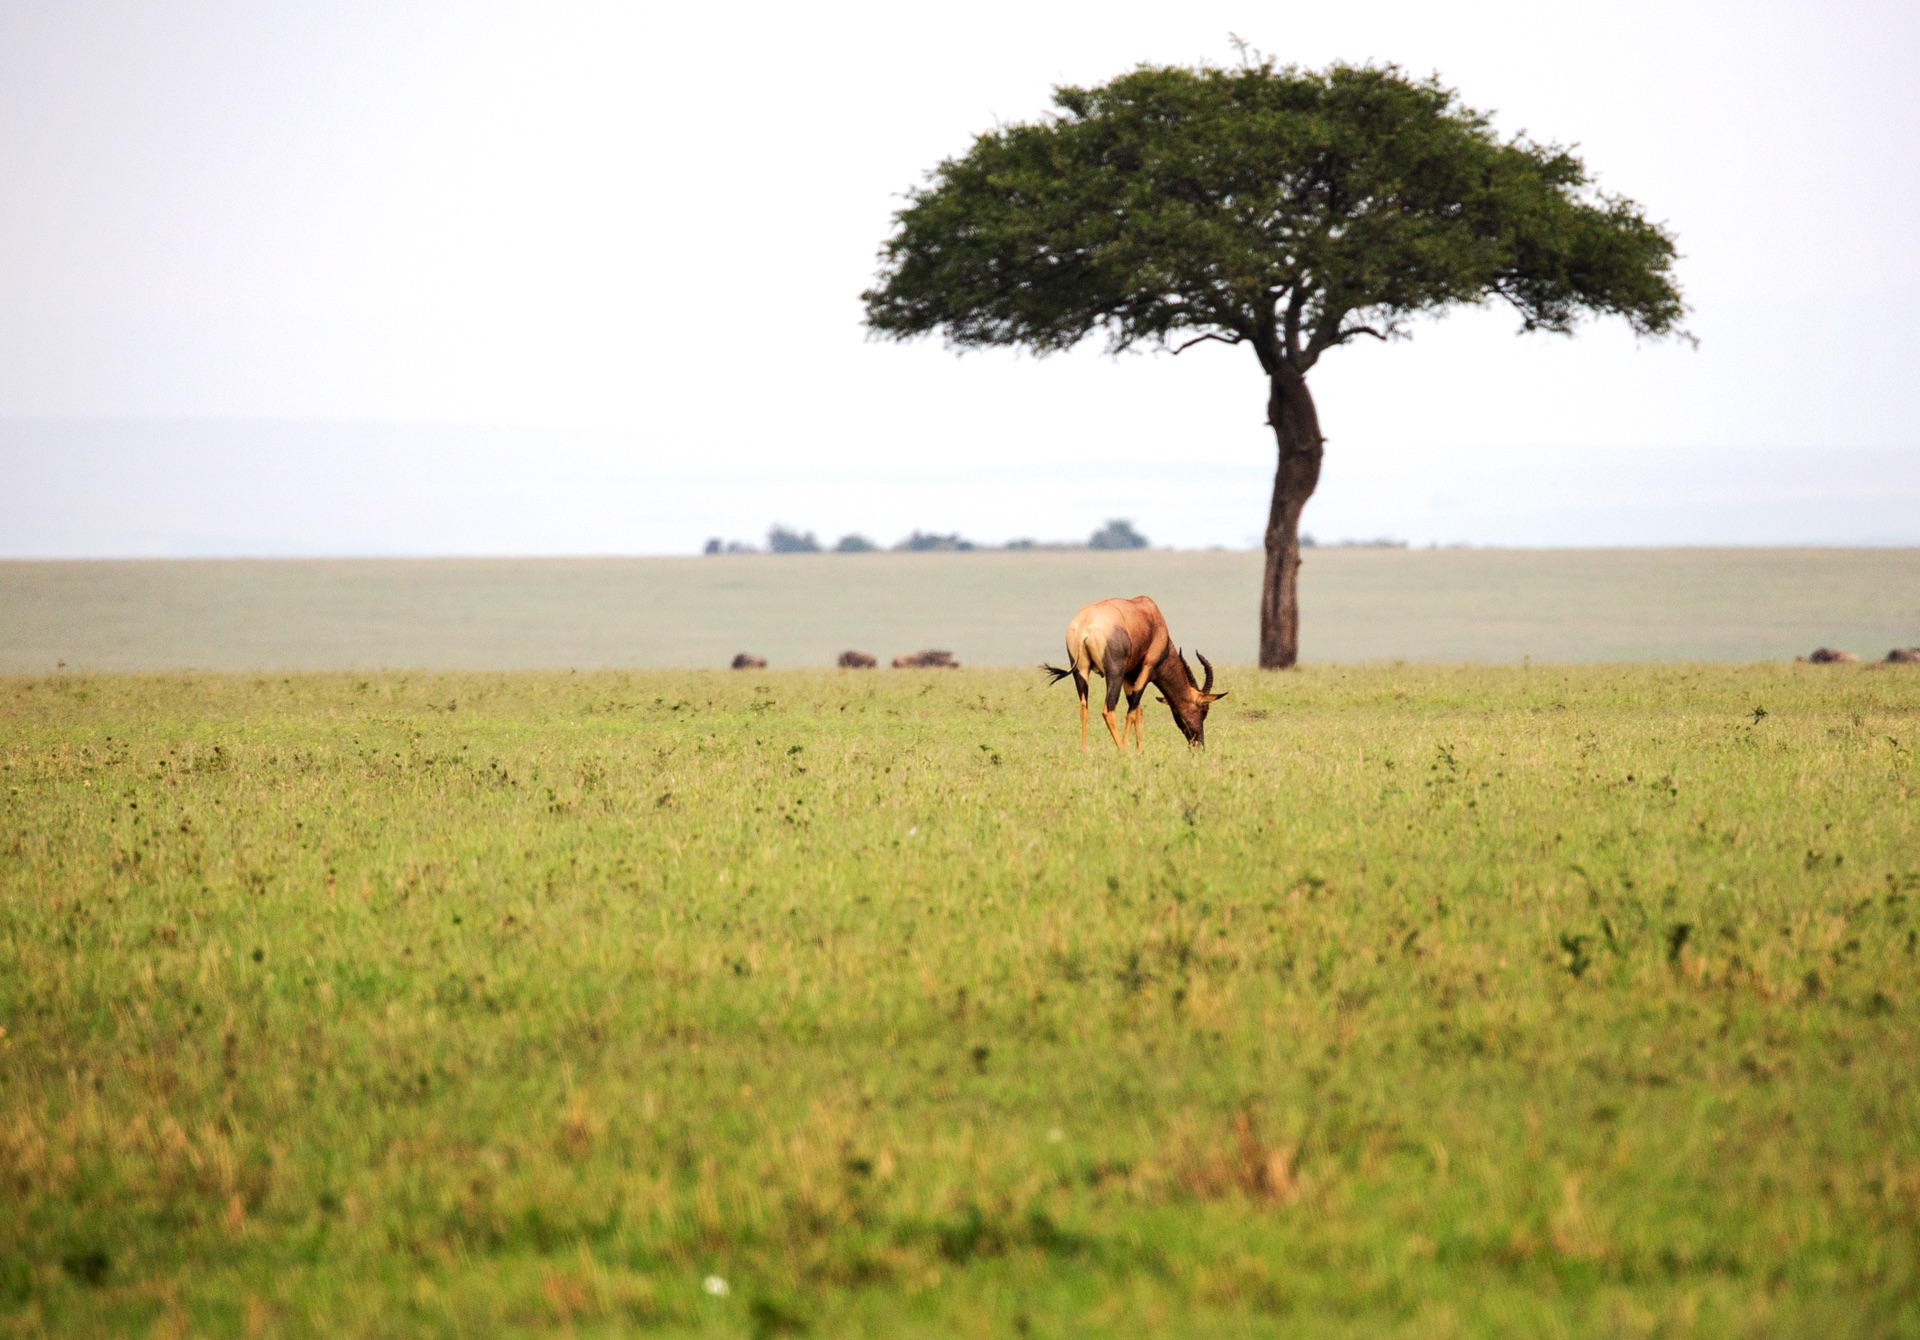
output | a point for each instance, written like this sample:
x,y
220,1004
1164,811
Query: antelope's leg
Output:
x,y
1080,683
1135,716
1115,683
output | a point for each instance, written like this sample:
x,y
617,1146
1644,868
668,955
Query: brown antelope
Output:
x,y
1125,642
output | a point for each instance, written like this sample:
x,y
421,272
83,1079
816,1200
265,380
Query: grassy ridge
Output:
x,y
1444,605
1426,1001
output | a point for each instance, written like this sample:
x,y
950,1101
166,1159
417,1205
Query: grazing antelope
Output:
x,y
1125,642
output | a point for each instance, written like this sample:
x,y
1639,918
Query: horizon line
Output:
x,y
1350,546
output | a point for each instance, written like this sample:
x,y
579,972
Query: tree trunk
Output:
x,y
1296,430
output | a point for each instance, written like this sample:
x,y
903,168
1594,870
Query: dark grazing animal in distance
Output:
x,y
926,660
746,660
856,660
1126,643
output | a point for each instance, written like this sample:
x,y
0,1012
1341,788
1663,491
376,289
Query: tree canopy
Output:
x,y
1290,209
1117,534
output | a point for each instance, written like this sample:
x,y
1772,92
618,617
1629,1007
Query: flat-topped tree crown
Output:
x,y
1289,210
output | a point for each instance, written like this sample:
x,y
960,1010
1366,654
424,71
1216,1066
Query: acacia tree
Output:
x,y
1289,210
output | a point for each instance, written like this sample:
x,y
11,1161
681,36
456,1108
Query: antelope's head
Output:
x,y
1188,701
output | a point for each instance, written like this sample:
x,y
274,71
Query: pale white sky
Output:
x,y
469,278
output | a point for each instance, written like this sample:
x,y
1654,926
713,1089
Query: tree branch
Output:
x,y
1210,335
1324,334
1266,340
1295,302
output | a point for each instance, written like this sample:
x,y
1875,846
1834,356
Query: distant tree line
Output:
x,y
1308,542
1116,534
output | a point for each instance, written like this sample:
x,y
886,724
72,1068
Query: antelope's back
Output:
x,y
1090,629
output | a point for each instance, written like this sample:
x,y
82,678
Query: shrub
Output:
x,y
921,542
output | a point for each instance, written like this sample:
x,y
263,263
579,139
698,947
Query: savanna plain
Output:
x,y
1425,1001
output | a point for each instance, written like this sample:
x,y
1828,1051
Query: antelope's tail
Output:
x,y
1055,672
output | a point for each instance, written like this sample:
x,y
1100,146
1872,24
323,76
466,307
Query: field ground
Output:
x,y
1451,605
1427,1001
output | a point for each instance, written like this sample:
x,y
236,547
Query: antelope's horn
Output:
x,y
1183,663
1208,686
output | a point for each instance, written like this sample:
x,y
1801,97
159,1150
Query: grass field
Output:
x,y
1448,605
1427,1001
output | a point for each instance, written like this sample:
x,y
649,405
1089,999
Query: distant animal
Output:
x,y
926,660
1904,656
856,660
1126,643
1828,656
746,660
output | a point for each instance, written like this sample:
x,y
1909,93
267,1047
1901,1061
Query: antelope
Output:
x,y
1126,643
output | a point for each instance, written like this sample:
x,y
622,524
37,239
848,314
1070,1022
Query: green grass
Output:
x,y
1425,1002
1442,605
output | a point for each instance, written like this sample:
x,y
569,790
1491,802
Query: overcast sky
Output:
x,y
561,278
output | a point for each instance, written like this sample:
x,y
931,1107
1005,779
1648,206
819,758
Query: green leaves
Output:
x,y
1293,210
